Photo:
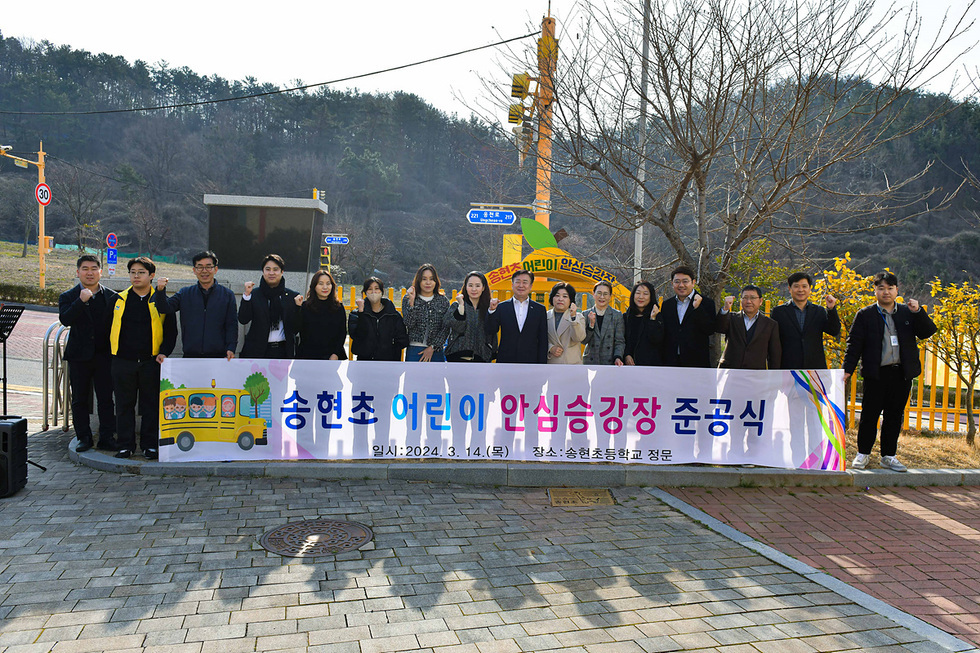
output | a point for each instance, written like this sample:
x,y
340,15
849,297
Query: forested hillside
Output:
x,y
398,174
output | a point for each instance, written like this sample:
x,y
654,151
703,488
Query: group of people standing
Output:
x,y
118,341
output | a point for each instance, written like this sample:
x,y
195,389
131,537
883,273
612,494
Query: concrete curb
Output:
x,y
533,474
900,617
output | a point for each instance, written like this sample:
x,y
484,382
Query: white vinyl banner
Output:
x,y
218,410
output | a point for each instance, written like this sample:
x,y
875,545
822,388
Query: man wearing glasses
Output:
x,y
140,339
208,315
751,339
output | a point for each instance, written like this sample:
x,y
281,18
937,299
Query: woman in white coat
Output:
x,y
566,327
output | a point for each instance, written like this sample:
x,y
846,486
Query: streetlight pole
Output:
x,y
642,145
23,163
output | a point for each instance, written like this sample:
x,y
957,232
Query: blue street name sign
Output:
x,y
489,216
111,257
335,239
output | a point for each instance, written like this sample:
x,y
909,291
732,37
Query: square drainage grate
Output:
x,y
569,497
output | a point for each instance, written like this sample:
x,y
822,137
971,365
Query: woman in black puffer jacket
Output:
x,y
376,328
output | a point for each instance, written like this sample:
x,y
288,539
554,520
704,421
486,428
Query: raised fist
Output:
x,y
654,311
493,304
85,295
592,319
162,283
461,297
359,303
571,310
298,299
830,301
913,305
729,302
248,287
410,293
696,300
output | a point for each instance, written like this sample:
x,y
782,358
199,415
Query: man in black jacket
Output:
x,y
883,337
523,324
85,308
802,325
271,315
689,321
208,315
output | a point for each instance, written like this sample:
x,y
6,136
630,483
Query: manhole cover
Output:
x,y
576,496
316,537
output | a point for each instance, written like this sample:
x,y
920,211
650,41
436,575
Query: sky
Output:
x,y
288,40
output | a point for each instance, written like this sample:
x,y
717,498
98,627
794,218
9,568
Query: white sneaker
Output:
x,y
891,462
860,461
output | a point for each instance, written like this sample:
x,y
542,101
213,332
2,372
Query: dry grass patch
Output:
x,y
59,268
925,450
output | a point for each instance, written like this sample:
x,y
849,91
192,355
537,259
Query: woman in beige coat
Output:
x,y
566,327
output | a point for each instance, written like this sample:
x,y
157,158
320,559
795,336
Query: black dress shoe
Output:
x,y
151,454
83,447
124,453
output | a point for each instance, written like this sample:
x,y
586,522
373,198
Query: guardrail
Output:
x,y
56,392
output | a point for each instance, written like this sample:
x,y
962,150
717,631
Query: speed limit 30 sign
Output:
x,y
43,194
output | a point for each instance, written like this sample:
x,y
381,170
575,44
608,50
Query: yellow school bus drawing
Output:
x,y
190,415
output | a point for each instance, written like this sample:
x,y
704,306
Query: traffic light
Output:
x,y
523,139
521,86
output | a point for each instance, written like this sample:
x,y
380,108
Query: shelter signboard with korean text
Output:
x,y
341,410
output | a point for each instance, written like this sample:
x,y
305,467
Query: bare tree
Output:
x,y
753,108
82,193
368,245
151,228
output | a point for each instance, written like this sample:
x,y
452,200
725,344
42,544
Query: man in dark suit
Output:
x,y
85,308
802,325
522,322
752,339
883,337
688,320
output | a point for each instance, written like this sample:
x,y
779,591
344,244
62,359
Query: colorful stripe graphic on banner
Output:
x,y
829,454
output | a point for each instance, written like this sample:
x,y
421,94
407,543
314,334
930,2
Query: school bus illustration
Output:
x,y
192,415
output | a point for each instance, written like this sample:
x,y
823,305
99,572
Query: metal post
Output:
x,y
42,243
642,145
547,62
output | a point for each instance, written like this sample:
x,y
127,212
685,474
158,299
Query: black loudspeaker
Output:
x,y
13,454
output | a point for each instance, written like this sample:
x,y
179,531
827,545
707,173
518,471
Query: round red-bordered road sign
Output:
x,y
43,194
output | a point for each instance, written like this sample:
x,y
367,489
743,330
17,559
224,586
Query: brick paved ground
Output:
x,y
28,335
92,561
915,548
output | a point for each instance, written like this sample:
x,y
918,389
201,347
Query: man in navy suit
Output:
x,y
802,325
523,324
86,309
689,321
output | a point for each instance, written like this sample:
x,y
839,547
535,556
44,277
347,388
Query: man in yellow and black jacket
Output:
x,y
140,339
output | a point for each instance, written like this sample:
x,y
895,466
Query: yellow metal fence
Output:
x,y
935,403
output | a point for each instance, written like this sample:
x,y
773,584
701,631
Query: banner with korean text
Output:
x,y
215,410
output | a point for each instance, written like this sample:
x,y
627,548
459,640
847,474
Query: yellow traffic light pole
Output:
x,y
544,97
41,241
547,64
